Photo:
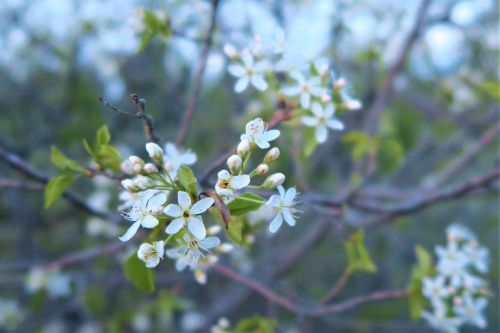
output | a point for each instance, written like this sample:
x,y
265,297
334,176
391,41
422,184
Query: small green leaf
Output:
x,y
137,273
357,254
56,187
256,324
423,268
108,158
63,162
245,203
187,179
233,232
103,137
362,144
389,154
88,148
310,142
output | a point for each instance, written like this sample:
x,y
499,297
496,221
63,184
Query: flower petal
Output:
x,y
174,226
247,59
305,100
149,221
201,206
288,217
160,248
224,192
239,182
153,262
236,70
321,133
262,144
156,201
261,66
291,91
317,109
209,242
145,247
130,232
188,158
173,210
335,124
276,223
184,200
241,84
223,174
290,196
281,191
274,201
197,228
270,135
259,82
329,110
309,121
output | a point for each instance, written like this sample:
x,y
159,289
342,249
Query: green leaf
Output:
x,y
187,179
56,187
88,148
103,137
108,158
309,139
256,324
63,162
362,144
233,232
357,254
137,273
389,155
423,268
245,203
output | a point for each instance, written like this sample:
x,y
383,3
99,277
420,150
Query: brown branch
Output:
x,y
21,185
194,92
338,286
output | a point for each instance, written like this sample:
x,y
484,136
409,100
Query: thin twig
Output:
x,y
338,286
194,92
21,185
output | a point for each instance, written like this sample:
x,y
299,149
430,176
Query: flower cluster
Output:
x,y
457,293
318,93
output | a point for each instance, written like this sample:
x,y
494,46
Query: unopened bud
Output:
x,y
325,98
243,147
141,182
155,152
168,166
272,155
225,248
129,185
273,181
339,84
230,51
136,160
214,230
127,167
150,168
234,163
353,104
262,169
323,71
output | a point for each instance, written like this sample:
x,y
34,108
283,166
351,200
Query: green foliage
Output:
x,y
309,141
357,254
56,187
245,203
187,180
234,229
256,324
424,267
154,25
389,154
64,163
362,144
137,273
105,155
95,300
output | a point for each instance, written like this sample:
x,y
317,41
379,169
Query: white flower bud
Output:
x,y
136,160
230,51
137,168
353,105
141,182
200,276
325,98
129,185
243,147
262,169
225,248
272,155
127,167
214,230
234,163
155,152
150,168
273,181
340,83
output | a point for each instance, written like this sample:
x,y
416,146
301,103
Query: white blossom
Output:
x,y
189,253
187,214
144,214
249,72
284,205
305,88
472,311
227,184
256,132
175,157
151,253
322,119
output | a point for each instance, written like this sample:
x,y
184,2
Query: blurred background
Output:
x,y
58,56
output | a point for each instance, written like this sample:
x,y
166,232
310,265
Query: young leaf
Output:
x,y
245,203
137,273
309,139
88,148
256,324
108,157
56,187
357,254
63,162
103,137
233,232
422,268
187,179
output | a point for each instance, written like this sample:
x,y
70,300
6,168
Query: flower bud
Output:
x,y
136,160
353,104
262,169
141,182
214,230
127,167
225,248
155,152
273,181
339,84
272,155
243,147
129,185
230,51
200,276
168,166
234,163
325,98
150,168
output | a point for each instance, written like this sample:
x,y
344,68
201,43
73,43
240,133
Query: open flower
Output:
x,y
144,214
305,88
227,184
323,119
472,311
284,205
185,214
256,132
175,157
249,72
190,253
435,288
151,253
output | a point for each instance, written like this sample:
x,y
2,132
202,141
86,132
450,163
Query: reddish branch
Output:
x,y
337,287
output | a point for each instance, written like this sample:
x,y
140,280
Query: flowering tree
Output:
x,y
304,203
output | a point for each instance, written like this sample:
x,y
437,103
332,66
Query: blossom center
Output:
x,y
185,214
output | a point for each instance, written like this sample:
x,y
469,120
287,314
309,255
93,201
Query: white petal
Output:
x,y
305,99
145,247
209,242
223,192
309,121
223,174
173,210
276,223
290,195
160,248
201,206
174,226
180,264
274,201
259,83
317,109
335,124
153,262
262,144
247,59
261,66
188,158
241,84
241,181
321,133
130,232
197,228
291,91
156,201
171,150
314,81
329,110
288,217
149,221
270,135
317,91
281,191
236,70
298,76
184,200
